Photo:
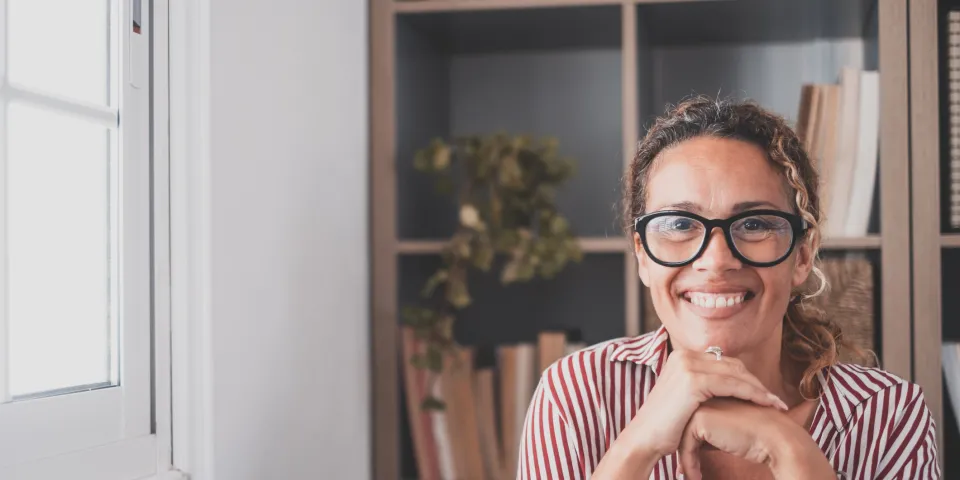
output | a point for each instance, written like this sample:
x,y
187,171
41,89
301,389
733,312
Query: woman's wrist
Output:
x,y
792,453
628,457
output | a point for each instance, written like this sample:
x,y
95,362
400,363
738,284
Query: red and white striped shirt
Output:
x,y
869,424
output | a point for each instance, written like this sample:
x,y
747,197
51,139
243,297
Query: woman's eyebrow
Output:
x,y
743,206
737,208
685,206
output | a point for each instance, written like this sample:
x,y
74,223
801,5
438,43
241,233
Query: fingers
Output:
x,y
726,386
727,366
725,377
689,453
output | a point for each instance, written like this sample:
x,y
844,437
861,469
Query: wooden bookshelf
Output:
x,y
615,245
950,240
601,69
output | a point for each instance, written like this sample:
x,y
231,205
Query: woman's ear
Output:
x,y
804,263
643,266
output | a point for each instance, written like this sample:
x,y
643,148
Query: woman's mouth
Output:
x,y
716,305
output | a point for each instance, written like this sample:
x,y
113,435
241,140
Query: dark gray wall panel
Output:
x,y
573,95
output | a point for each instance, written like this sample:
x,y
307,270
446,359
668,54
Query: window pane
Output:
x,y
59,254
61,47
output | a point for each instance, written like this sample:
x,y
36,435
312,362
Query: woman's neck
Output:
x,y
775,370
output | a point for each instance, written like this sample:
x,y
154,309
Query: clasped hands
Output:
x,y
701,401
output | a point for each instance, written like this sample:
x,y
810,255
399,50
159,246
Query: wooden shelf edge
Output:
x,y
425,6
950,240
587,244
871,242
619,244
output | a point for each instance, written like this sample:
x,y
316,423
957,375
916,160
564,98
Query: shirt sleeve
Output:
x,y
911,440
548,447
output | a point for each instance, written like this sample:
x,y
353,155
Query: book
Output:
x,y
825,143
486,420
841,176
950,356
517,384
551,346
865,162
415,383
809,115
839,127
463,414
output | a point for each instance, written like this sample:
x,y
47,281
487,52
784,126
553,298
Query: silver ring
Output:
x,y
714,350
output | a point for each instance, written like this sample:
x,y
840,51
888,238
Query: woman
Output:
x,y
742,381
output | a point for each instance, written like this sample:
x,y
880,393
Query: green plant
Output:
x,y
506,189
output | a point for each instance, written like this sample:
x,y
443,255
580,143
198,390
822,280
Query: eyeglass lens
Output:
x,y
759,238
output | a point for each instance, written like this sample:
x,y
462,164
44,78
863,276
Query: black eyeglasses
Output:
x,y
760,238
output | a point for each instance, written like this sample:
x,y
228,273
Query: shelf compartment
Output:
x,y
543,72
588,296
712,22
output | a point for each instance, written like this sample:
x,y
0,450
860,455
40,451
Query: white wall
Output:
x,y
289,266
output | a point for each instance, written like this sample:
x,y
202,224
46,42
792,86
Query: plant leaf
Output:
x,y
433,403
433,282
434,359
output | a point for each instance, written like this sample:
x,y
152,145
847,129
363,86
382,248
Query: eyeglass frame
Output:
x,y
798,225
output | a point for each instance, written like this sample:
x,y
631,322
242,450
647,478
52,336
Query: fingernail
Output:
x,y
778,402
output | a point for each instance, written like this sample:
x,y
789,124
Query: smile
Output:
x,y
717,305
715,300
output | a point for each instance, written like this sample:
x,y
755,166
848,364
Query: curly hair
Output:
x,y
809,336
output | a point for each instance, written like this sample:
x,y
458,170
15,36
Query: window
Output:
x,y
75,239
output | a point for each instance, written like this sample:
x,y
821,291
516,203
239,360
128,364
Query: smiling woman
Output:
x,y
743,380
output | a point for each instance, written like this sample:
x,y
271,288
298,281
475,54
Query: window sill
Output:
x,y
125,460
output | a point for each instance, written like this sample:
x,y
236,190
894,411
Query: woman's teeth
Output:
x,y
710,300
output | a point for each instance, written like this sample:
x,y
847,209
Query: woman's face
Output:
x,y
717,178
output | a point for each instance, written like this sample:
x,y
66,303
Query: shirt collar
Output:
x,y
649,349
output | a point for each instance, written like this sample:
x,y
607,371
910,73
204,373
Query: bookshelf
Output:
x,y
593,73
936,260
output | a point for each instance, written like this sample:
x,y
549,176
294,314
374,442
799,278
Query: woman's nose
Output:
x,y
717,256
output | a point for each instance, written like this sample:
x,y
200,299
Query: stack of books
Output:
x,y
486,394
839,126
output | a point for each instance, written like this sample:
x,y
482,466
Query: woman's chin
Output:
x,y
702,333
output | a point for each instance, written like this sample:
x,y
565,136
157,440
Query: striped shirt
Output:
x,y
869,424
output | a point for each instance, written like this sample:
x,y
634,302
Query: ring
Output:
x,y
714,350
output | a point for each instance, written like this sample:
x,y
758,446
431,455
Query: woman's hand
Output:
x,y
755,434
688,379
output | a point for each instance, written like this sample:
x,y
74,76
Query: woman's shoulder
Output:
x,y
616,349
592,364
864,386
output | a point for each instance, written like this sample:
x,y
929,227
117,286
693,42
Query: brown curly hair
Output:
x,y
809,336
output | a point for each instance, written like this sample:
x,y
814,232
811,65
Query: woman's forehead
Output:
x,y
715,176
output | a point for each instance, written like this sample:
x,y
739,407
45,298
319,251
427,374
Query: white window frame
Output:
x,y
124,432
191,336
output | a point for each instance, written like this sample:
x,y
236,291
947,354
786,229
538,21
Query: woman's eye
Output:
x,y
681,224
755,224
765,225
